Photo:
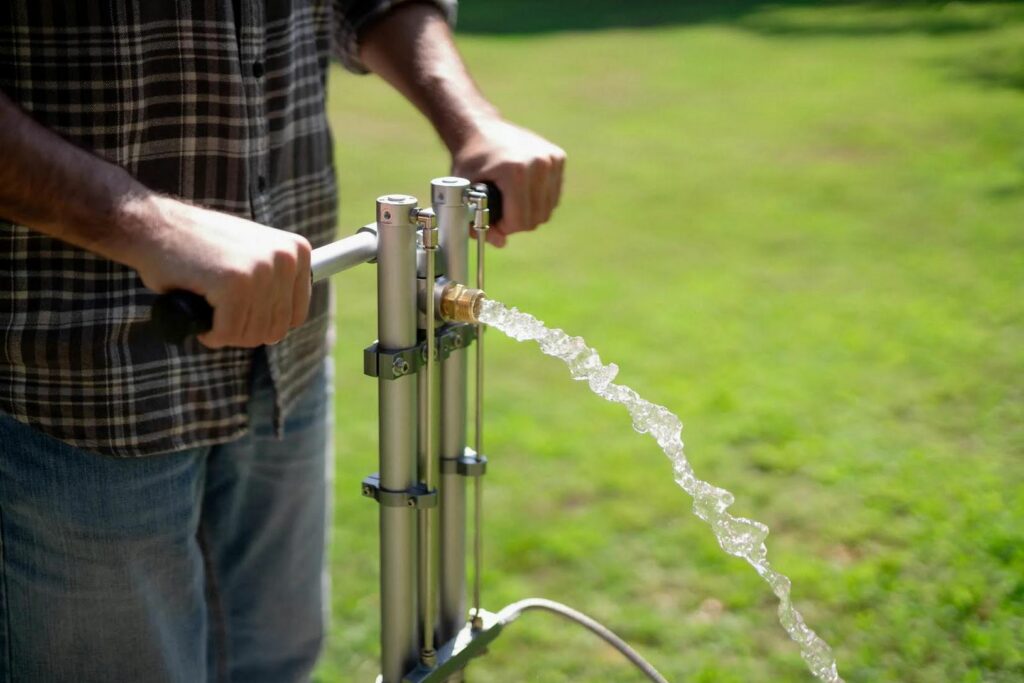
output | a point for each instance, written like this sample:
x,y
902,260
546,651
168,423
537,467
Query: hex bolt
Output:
x,y
399,367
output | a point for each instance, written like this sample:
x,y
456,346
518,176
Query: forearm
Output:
x,y
256,278
411,47
413,50
61,190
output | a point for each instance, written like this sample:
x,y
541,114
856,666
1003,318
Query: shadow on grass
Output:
x,y
999,66
1007,191
761,16
996,66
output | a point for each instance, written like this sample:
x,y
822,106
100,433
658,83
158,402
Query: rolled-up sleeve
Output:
x,y
352,17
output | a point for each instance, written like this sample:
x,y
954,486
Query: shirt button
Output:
x,y
257,69
261,183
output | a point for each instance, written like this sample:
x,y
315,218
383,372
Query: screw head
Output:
x,y
399,367
411,502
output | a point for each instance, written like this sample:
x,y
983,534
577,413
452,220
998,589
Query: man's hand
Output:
x,y
525,167
411,47
257,279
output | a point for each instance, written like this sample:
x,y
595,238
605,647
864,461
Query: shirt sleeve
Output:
x,y
352,17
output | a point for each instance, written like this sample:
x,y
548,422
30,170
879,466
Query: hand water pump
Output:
x,y
426,322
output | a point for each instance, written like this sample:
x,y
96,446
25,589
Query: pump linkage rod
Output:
x,y
480,195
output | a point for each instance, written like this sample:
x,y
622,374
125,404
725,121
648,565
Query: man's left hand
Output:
x,y
525,167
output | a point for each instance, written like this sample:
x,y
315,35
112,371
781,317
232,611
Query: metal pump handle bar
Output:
x,y
180,314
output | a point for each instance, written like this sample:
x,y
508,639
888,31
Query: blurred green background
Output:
x,y
799,225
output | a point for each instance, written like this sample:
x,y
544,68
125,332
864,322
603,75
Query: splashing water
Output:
x,y
737,536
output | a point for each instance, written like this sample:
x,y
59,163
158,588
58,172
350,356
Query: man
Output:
x,y
162,507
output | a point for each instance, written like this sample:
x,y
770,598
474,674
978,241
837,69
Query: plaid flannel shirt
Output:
x,y
219,102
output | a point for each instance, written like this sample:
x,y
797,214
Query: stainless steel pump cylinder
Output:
x,y
396,329
448,197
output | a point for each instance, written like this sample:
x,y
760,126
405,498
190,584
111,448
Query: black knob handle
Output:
x,y
495,202
178,315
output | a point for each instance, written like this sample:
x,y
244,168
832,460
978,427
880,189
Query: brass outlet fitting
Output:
x,y
460,304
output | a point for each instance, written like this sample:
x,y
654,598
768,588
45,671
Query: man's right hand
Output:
x,y
257,279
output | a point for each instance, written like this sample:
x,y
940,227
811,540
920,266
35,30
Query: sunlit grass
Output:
x,y
802,229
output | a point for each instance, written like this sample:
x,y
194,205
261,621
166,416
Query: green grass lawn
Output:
x,y
801,227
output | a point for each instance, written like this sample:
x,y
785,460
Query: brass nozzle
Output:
x,y
460,304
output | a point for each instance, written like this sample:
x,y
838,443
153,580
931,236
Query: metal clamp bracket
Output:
x,y
402,362
392,364
455,337
469,464
417,496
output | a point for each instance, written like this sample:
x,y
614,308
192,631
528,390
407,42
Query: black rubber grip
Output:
x,y
178,315
495,202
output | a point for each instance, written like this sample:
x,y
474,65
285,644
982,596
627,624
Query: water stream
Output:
x,y
738,536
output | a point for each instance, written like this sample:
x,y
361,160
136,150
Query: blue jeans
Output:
x,y
198,566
